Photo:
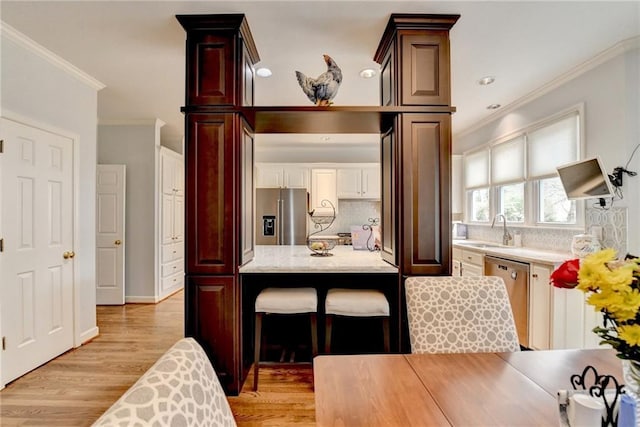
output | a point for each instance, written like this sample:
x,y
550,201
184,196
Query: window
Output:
x,y
506,175
511,200
553,204
480,204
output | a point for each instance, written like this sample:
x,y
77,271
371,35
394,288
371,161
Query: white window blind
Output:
x,y
507,162
553,145
476,169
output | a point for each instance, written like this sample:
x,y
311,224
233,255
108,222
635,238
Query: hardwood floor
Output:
x,y
77,387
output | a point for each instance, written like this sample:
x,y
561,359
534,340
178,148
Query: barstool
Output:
x,y
283,301
356,303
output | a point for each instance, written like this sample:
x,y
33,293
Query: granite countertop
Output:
x,y
515,253
298,259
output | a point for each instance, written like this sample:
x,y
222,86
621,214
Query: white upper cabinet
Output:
x,y
296,177
323,187
269,176
172,172
359,182
282,176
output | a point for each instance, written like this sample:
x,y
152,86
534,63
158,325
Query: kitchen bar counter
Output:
x,y
298,259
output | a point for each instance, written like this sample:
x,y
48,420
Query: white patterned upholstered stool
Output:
x,y
284,301
356,303
460,315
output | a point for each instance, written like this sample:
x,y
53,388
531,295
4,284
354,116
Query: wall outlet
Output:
x,y
596,230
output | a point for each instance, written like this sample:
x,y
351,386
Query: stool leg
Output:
x,y
327,335
314,335
256,353
385,335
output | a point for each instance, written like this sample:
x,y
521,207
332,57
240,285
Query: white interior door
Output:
x,y
36,281
110,225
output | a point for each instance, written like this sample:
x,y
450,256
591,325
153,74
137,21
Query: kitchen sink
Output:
x,y
482,245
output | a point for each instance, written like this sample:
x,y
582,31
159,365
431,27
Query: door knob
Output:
x,y
118,242
68,254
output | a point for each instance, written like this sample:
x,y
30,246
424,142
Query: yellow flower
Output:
x,y
605,300
599,258
630,334
620,279
612,287
627,306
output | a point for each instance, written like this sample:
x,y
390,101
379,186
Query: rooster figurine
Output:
x,y
324,88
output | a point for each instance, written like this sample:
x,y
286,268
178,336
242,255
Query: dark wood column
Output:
x,y
220,55
416,153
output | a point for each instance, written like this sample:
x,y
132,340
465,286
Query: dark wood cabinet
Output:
x,y
213,318
210,189
389,204
220,54
425,182
425,68
415,71
247,223
220,122
415,61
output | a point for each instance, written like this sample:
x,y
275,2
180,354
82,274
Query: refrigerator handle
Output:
x,y
279,223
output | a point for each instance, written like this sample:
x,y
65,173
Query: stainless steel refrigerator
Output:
x,y
281,216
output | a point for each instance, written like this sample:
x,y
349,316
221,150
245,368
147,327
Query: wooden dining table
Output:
x,y
470,389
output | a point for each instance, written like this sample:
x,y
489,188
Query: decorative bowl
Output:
x,y
321,247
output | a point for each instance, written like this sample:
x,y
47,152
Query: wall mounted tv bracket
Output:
x,y
616,177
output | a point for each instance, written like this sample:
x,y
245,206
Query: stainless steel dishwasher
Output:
x,y
516,277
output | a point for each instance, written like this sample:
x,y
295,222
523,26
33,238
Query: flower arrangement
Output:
x,y
612,287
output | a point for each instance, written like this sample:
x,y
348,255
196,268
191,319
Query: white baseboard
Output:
x,y
132,299
88,335
166,294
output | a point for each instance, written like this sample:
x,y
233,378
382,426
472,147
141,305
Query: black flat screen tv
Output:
x,y
585,179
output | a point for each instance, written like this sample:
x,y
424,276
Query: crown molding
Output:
x,y
604,56
22,40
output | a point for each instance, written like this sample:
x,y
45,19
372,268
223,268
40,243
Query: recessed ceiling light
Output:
x,y
486,80
367,73
493,106
263,72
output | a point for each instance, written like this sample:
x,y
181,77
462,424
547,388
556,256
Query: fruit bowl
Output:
x,y
321,247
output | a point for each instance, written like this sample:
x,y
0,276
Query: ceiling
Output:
x,y
136,48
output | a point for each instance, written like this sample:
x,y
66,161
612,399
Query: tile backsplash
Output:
x,y
613,222
351,212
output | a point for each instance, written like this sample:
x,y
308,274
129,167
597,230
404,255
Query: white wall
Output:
x,y
611,96
137,146
40,91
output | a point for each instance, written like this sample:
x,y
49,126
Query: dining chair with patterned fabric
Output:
x,y
460,315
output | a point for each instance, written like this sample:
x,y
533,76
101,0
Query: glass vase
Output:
x,y
631,376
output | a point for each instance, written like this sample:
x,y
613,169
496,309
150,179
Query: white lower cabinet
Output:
x,y
467,263
559,318
539,307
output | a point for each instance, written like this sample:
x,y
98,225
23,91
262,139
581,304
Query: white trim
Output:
x,y
88,335
17,37
140,300
131,122
604,56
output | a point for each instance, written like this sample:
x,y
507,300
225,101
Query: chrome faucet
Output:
x,y
506,237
